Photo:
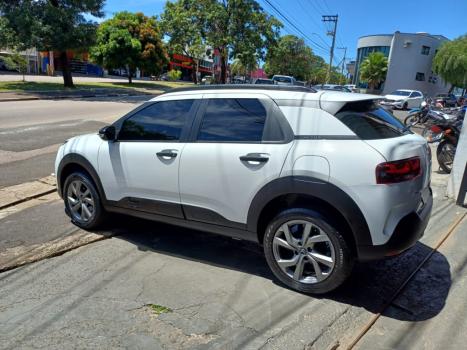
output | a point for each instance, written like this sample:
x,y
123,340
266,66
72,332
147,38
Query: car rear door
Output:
x,y
237,146
140,169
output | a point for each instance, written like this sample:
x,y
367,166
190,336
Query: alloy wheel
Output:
x,y
80,201
304,251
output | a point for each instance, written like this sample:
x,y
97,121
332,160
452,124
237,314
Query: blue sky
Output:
x,y
356,18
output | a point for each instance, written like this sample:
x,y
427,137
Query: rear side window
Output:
x,y
161,121
233,120
369,121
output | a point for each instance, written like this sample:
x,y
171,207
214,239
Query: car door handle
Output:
x,y
167,153
254,157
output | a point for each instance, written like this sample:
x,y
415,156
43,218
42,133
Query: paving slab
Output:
x,y
418,330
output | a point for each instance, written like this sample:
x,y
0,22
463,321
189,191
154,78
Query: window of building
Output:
x,y
161,121
233,120
420,76
425,50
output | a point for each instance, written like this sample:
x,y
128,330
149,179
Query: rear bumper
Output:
x,y
407,232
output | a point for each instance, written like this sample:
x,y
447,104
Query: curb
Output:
x,y
70,97
25,199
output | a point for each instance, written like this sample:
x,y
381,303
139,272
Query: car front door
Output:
x,y
238,145
140,169
415,99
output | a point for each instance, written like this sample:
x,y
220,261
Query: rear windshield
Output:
x,y
282,79
369,121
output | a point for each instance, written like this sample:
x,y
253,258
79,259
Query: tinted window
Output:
x,y
233,120
400,93
282,79
161,121
416,94
369,121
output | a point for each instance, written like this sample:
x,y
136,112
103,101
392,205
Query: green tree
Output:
x,y
52,25
16,61
174,74
373,69
238,27
293,57
182,22
130,40
239,67
450,62
7,36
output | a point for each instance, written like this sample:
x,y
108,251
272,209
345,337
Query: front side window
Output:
x,y
233,120
369,121
160,121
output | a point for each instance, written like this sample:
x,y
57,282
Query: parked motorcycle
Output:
x,y
447,134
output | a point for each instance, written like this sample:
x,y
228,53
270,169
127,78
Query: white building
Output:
x,y
31,55
410,58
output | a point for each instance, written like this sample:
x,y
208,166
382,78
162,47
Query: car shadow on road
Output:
x,y
371,285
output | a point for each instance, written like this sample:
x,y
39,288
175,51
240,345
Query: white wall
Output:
x,y
405,60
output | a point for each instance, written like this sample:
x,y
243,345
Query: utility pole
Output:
x,y
333,34
343,60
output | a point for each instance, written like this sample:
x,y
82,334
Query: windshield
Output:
x,y
369,121
400,93
282,79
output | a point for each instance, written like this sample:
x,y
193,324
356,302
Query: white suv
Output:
x,y
320,179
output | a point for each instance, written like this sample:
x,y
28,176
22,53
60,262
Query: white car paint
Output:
x,y
211,175
412,100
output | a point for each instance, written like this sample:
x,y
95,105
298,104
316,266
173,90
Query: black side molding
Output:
x,y
317,188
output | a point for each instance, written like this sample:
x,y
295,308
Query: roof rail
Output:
x,y
244,87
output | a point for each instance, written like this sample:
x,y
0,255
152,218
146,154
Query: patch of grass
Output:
x,y
159,309
33,86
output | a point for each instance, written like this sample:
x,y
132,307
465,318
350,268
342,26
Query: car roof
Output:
x,y
330,101
406,90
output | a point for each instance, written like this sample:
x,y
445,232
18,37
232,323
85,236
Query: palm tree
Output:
x,y
373,69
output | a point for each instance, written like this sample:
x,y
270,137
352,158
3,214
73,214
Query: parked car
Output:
x,y
447,100
333,87
319,179
351,87
283,80
264,81
207,80
403,99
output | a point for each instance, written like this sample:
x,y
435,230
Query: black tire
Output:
x,y
343,257
410,119
98,213
445,157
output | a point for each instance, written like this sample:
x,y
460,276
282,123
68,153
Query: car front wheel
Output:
x,y
82,201
306,252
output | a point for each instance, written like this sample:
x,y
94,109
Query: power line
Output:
x,y
326,4
293,25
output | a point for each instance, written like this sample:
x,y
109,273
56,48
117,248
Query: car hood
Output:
x,y
395,97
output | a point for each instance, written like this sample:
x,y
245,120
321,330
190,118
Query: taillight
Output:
x,y
436,129
398,171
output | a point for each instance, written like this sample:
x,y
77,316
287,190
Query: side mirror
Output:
x,y
108,133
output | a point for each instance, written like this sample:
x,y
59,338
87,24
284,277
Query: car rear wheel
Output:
x,y
82,201
306,253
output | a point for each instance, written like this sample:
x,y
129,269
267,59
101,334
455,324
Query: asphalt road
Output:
x,y
31,131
